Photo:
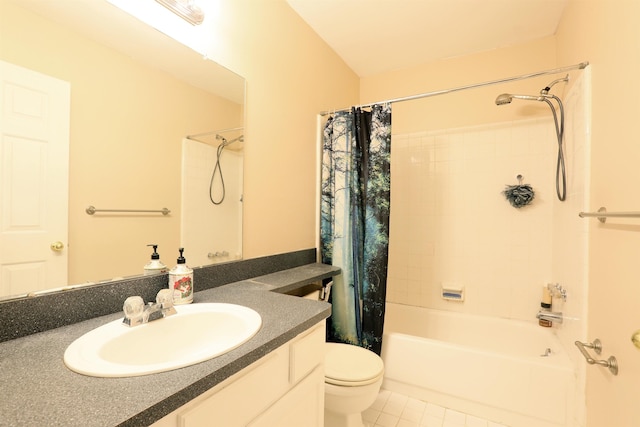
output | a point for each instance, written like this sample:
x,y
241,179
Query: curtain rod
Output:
x,y
214,132
580,66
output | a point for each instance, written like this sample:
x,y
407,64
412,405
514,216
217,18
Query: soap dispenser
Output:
x,y
181,281
155,266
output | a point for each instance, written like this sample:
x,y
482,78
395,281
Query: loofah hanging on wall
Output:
x,y
519,195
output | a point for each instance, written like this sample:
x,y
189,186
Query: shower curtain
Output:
x,y
354,225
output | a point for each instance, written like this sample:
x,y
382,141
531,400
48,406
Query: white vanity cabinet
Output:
x,y
283,388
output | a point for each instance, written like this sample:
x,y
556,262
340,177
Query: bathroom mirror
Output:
x,y
136,94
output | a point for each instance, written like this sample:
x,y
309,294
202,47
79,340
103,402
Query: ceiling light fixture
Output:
x,y
185,9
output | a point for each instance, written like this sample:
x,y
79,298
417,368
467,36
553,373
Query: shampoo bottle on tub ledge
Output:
x,y
545,304
181,281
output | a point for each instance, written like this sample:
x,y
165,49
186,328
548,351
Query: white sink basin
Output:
x,y
197,333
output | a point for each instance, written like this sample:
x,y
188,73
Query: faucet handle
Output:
x,y
559,291
133,310
133,306
165,297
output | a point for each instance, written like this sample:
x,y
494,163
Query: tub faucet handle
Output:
x,y
559,291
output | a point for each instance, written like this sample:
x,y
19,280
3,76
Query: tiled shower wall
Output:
x,y
452,226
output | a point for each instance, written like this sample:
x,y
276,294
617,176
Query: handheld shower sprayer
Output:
x,y
506,98
544,96
217,169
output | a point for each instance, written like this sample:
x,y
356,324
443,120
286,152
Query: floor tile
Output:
x,y
431,421
476,422
370,415
435,410
386,420
413,415
392,409
407,423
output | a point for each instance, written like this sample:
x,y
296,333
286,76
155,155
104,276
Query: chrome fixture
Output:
x,y
544,96
602,214
225,142
185,9
551,316
90,210
217,169
596,345
558,291
326,291
217,254
547,352
137,313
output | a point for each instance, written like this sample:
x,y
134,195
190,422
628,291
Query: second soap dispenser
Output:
x,y
181,281
155,266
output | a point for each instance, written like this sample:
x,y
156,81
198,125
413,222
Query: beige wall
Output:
x,y
606,33
291,76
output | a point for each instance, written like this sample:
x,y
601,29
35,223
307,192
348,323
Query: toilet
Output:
x,y
352,380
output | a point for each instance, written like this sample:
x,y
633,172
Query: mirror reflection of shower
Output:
x,y
221,240
217,169
544,96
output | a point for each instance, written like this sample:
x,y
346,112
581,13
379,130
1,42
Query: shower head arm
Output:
x,y
546,90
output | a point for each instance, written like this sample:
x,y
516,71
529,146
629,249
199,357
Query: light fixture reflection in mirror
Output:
x,y
185,9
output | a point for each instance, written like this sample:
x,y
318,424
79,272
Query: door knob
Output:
x,y
635,338
57,246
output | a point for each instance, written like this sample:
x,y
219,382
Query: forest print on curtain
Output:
x,y
354,224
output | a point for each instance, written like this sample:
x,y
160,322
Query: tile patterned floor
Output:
x,y
396,410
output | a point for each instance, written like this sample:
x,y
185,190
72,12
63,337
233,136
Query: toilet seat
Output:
x,y
351,366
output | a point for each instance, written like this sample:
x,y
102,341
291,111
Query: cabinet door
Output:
x,y
245,397
303,405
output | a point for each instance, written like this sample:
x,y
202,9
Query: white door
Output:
x,y
34,180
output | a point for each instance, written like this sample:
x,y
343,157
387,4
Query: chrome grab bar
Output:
x,y
602,215
596,345
91,210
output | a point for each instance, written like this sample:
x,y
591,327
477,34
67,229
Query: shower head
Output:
x,y
506,98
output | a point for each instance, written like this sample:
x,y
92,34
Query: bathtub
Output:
x,y
488,367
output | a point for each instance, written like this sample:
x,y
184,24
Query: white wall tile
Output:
x,y
451,222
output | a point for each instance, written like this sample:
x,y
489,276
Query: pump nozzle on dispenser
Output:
x,y
181,259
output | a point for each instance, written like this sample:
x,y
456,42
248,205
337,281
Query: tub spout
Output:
x,y
551,316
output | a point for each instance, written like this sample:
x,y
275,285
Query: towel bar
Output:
x,y
91,210
602,214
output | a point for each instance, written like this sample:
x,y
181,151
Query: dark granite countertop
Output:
x,y
39,390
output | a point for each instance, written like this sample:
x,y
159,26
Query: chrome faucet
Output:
x,y
136,312
551,316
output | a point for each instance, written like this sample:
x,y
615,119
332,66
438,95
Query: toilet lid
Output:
x,y
350,365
